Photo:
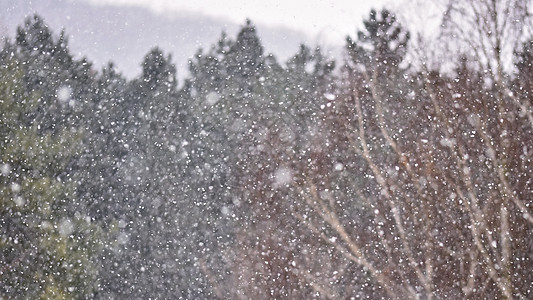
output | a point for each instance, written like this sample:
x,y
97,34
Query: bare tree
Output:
x,y
416,184
491,31
445,171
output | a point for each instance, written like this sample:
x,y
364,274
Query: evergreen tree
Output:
x,y
381,44
374,73
49,67
244,60
46,250
104,147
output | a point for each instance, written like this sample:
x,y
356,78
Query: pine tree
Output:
x,y
381,44
46,250
49,67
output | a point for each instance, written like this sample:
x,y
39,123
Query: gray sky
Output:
x,y
327,21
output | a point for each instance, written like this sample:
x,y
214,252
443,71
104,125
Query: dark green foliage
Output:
x,y
46,251
158,72
48,66
381,44
244,61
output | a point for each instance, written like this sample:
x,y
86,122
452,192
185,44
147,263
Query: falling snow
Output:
x,y
397,170
282,177
63,94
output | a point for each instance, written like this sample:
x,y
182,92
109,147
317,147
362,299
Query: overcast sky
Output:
x,y
323,20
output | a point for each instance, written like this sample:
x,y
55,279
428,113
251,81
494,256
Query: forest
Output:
x,y
401,171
